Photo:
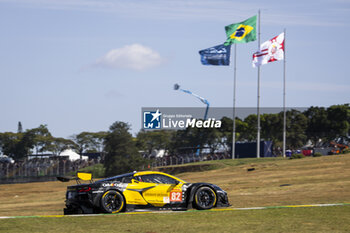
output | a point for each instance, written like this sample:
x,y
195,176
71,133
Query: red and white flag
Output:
x,y
271,50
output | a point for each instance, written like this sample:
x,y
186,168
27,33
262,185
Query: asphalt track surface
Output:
x,y
168,212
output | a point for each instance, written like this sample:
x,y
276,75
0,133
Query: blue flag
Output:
x,y
218,55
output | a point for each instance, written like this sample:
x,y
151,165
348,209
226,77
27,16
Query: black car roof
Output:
x,y
116,177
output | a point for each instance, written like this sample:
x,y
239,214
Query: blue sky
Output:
x,y
80,65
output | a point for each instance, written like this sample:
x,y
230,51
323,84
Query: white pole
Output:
x,y
258,105
234,106
284,97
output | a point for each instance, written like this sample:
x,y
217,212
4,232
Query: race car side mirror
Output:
x,y
135,181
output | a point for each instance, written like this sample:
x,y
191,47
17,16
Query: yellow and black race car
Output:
x,y
136,190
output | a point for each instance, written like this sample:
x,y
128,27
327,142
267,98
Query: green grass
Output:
x,y
310,180
248,182
214,165
315,219
98,170
236,162
239,162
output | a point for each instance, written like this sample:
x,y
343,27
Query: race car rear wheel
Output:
x,y
112,202
204,198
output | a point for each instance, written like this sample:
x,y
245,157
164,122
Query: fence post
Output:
x,y
25,170
64,167
7,170
19,169
58,168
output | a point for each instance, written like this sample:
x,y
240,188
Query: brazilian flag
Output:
x,y
242,32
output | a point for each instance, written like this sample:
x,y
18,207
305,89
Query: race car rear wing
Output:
x,y
80,176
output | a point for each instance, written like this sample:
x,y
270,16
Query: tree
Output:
x,y
338,119
82,142
121,152
17,145
97,140
58,145
19,128
242,128
328,124
226,132
272,127
42,138
296,127
318,124
186,141
154,140
212,138
249,132
89,141
9,143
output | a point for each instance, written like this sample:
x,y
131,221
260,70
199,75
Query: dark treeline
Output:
x,y
122,150
39,140
315,124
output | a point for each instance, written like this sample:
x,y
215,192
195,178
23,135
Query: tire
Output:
x,y
204,198
112,202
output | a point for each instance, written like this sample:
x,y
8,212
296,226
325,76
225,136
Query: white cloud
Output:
x,y
134,57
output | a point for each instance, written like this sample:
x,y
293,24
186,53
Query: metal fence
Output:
x,y
35,170
39,169
188,158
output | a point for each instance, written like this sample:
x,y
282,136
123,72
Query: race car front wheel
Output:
x,y
204,198
112,202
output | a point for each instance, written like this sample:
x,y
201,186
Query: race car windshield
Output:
x,y
157,178
121,178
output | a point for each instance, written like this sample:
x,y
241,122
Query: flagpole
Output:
x,y
234,105
258,104
284,96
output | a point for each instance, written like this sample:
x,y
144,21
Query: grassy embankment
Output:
x,y
274,181
249,183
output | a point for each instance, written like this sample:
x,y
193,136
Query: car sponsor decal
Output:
x,y
166,200
98,191
118,185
